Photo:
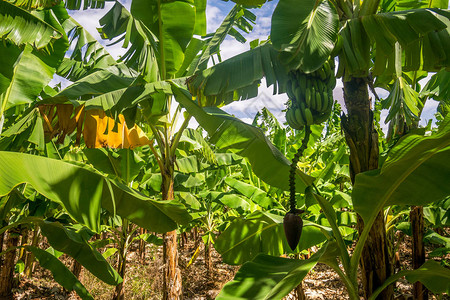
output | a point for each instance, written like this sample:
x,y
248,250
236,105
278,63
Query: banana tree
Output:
x,y
36,42
304,37
160,48
270,277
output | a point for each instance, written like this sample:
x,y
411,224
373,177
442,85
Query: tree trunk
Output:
x,y
142,246
23,242
2,238
76,269
196,237
299,292
362,139
208,260
7,269
119,293
172,274
29,260
184,240
418,249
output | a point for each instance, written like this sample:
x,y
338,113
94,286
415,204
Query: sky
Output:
x,y
216,11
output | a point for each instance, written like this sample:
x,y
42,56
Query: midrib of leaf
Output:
x,y
250,236
359,246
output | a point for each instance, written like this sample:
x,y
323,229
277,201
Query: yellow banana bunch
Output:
x,y
311,96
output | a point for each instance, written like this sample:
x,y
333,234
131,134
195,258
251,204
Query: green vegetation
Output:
x,y
110,160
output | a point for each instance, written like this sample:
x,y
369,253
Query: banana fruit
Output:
x,y
311,96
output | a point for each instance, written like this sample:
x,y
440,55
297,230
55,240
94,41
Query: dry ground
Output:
x,y
144,281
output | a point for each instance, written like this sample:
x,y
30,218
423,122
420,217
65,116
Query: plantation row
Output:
x,y
110,161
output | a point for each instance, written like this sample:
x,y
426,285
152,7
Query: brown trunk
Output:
x,y
76,269
362,140
23,242
195,237
29,260
2,238
118,292
142,246
418,249
184,240
208,260
7,269
299,292
172,274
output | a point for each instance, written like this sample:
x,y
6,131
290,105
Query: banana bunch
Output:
x,y
311,96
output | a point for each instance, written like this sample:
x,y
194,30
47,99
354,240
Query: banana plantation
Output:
x,y
125,177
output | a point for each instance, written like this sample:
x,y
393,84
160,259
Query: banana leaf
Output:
x,y
231,134
268,277
83,192
60,272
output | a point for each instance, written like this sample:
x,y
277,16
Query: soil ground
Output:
x,y
144,280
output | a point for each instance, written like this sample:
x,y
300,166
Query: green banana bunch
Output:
x,y
311,96
294,118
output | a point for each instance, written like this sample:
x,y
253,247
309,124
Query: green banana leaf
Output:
x,y
238,16
200,17
250,2
23,75
261,232
189,164
228,159
21,27
200,145
438,214
189,199
83,192
435,277
60,272
104,82
268,277
231,134
88,54
116,91
408,27
232,201
140,41
255,194
438,87
174,30
70,242
415,173
33,4
406,4
304,33
239,77
28,129
123,163
179,20
332,219
93,4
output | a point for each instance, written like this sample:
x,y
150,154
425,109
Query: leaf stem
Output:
x,y
177,137
349,284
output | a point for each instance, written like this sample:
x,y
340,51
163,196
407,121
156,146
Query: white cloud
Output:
x,y
216,11
214,17
428,112
90,18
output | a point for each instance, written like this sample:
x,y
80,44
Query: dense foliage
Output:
x,y
112,153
